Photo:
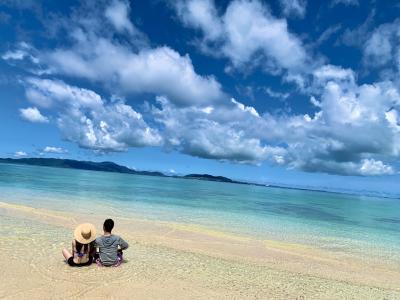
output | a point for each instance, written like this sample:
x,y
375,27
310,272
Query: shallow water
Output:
x,y
338,222
154,271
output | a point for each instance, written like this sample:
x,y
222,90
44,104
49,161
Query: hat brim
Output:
x,y
78,233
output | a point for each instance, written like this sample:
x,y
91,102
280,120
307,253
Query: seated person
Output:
x,y
82,247
109,246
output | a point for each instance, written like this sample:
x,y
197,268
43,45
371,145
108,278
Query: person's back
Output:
x,y
108,245
81,254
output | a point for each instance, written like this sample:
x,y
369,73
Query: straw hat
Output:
x,y
85,233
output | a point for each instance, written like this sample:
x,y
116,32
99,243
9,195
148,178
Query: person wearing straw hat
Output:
x,y
82,247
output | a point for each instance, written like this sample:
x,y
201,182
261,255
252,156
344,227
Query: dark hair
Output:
x,y
108,225
79,247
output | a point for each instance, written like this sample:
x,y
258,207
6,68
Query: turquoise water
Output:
x,y
337,222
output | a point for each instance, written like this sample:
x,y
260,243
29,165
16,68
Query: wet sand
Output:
x,y
179,261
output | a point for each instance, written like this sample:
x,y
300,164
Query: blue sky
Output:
x,y
291,92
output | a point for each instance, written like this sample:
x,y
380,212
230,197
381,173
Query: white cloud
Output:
x,y
20,154
16,55
354,131
295,8
160,71
381,48
373,167
355,128
251,28
201,14
124,66
118,14
356,37
331,72
46,93
244,108
315,102
275,94
88,120
58,150
22,51
327,34
32,114
367,167
222,133
245,31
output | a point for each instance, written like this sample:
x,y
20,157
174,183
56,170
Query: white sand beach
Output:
x,y
178,261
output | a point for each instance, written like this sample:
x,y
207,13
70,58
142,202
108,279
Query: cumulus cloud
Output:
x,y
118,14
16,55
367,167
381,48
32,114
295,8
201,14
86,119
47,93
347,136
221,132
58,150
21,52
328,73
275,94
20,154
125,66
246,31
160,71
374,167
354,128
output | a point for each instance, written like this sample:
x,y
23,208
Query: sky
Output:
x,y
294,92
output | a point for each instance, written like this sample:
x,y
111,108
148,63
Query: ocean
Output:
x,y
357,224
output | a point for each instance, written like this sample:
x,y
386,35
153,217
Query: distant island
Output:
x,y
210,177
107,166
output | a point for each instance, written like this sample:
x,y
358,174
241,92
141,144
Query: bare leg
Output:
x,y
66,254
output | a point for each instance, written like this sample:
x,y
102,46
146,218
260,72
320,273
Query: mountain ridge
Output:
x,y
108,166
105,166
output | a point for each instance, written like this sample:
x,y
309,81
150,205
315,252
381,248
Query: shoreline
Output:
x,y
291,262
